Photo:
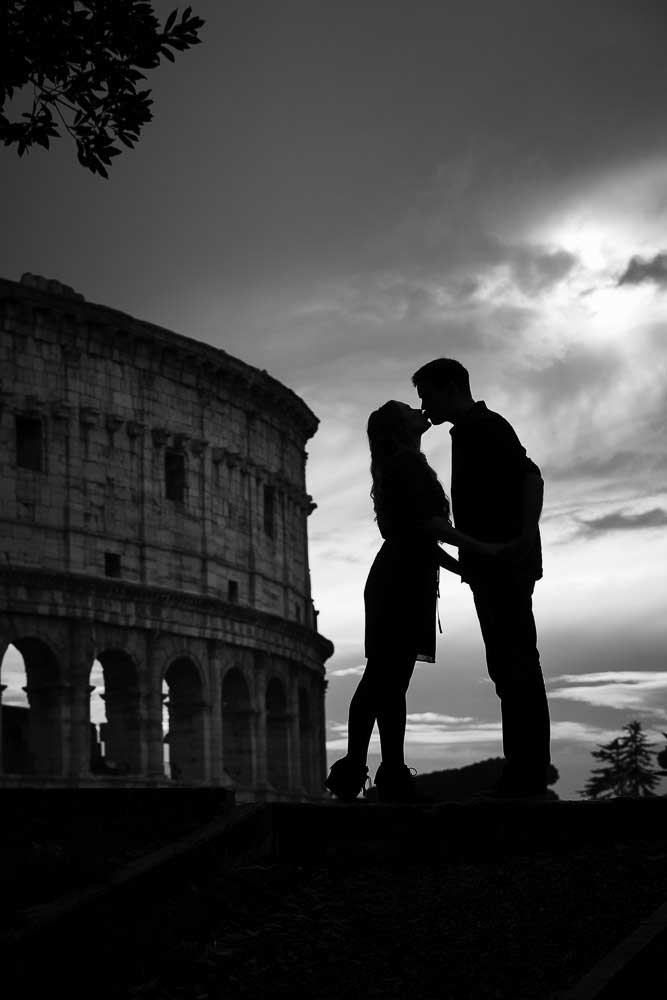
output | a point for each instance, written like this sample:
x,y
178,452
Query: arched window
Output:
x,y
121,733
32,725
236,728
186,721
277,735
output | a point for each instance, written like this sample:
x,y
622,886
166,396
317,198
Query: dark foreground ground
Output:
x,y
389,920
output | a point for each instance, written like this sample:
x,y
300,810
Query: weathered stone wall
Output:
x,y
155,485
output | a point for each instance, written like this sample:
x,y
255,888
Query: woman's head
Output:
x,y
395,427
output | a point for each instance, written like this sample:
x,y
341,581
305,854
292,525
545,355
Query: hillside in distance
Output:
x,y
460,783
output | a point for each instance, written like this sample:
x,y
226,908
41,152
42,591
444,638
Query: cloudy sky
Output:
x,y
340,191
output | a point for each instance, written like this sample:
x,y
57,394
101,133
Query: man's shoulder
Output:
x,y
493,418
483,421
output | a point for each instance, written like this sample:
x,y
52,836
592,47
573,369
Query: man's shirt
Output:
x,y
489,467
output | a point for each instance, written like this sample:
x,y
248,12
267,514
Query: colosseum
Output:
x,y
155,559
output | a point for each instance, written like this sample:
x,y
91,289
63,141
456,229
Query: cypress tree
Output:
x,y
627,768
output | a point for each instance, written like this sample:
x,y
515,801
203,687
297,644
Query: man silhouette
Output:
x,y
496,496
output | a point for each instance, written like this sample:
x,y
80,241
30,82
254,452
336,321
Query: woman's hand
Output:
x,y
448,562
440,529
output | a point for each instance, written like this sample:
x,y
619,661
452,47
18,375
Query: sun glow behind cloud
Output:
x,y
615,213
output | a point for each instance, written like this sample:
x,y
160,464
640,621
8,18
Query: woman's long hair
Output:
x,y
389,435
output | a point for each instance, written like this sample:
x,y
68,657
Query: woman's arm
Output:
x,y
444,532
448,562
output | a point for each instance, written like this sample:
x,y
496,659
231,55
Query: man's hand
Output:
x,y
516,550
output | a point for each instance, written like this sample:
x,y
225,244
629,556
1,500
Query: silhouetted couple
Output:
x,y
496,493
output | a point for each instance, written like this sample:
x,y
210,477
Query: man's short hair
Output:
x,y
441,372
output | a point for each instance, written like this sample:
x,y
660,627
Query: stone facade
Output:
x,y
154,518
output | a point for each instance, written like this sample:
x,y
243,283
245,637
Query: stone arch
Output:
x,y
46,699
277,735
306,740
237,717
186,710
121,734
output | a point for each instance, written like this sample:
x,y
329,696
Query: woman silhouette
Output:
x,y
399,598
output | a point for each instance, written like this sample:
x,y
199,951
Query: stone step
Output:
x,y
459,829
334,833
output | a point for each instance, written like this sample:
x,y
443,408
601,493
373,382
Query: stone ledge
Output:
x,y
362,832
460,829
307,832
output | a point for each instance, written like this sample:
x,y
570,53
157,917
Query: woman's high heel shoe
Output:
x,y
346,779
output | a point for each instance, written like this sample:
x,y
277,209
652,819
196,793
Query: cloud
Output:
x,y
619,463
641,269
435,718
618,689
536,270
347,671
618,521
571,376
605,676
430,729
566,731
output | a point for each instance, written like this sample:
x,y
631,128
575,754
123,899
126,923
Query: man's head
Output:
x,y
443,386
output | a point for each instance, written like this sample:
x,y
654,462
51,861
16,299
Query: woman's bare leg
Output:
x,y
380,695
392,710
361,716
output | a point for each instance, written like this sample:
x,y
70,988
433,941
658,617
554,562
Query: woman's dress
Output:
x,y
402,586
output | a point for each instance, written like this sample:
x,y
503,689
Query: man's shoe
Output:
x,y
346,779
396,784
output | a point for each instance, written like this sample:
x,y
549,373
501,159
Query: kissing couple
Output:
x,y
496,501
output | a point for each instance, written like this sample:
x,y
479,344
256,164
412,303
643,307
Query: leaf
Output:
x,y
97,168
88,56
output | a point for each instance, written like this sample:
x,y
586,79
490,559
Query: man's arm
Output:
x,y
511,455
532,496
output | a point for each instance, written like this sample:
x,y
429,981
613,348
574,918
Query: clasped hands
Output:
x,y
440,529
